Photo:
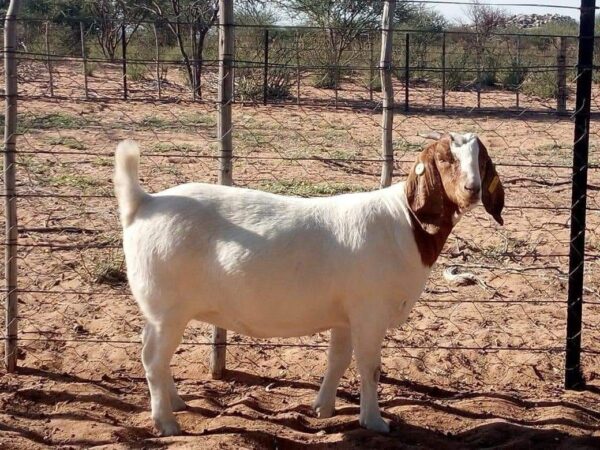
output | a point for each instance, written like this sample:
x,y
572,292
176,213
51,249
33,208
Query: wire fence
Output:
x,y
303,124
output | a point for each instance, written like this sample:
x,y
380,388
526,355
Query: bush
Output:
x,y
513,77
327,78
456,76
136,71
541,84
250,84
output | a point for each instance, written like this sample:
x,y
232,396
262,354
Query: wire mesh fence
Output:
x,y
305,125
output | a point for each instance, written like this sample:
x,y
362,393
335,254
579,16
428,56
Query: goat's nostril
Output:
x,y
473,188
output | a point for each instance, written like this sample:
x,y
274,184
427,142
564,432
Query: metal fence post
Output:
x,y
385,71
561,75
444,71
157,44
297,68
573,374
518,86
124,67
371,66
406,71
266,68
10,195
84,58
224,129
49,60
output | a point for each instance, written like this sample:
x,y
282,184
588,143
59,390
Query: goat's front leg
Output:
x,y
160,341
338,360
367,337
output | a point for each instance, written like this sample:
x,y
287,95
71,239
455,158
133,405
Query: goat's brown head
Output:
x,y
451,176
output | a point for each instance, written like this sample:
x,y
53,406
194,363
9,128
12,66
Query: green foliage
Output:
x,y
541,84
302,188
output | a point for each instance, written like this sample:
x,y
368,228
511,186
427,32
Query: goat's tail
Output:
x,y
127,187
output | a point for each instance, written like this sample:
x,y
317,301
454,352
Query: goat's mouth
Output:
x,y
469,199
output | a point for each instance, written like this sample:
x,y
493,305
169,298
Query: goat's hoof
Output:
x,y
323,411
168,427
377,424
177,404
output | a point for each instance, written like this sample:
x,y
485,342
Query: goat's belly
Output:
x,y
265,320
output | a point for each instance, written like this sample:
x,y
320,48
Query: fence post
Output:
x,y
219,337
266,67
518,86
124,51
193,62
406,71
444,71
157,44
84,57
573,374
385,71
371,66
10,195
561,75
49,61
297,68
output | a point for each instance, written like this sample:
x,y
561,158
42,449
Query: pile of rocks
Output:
x,y
537,20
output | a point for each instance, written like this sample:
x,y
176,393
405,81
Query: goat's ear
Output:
x,y
492,191
425,192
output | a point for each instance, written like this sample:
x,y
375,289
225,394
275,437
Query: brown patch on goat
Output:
x,y
435,195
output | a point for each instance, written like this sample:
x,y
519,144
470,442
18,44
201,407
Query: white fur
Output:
x,y
465,148
266,265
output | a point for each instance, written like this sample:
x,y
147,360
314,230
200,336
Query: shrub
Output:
x,y
541,84
136,71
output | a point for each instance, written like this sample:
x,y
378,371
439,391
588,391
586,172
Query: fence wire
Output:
x,y
303,126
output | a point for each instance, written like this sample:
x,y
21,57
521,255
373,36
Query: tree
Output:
x,y
195,17
485,20
343,21
430,23
110,17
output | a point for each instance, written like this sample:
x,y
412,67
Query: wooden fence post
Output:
x,y
10,195
224,129
385,71
561,75
84,58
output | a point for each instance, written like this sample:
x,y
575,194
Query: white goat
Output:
x,y
266,265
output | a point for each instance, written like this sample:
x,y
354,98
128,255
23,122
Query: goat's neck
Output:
x,y
430,245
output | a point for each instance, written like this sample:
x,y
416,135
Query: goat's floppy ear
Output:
x,y
492,191
425,192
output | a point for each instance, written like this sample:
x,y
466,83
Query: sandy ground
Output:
x,y
476,366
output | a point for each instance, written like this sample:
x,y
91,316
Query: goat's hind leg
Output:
x,y
160,341
177,403
338,360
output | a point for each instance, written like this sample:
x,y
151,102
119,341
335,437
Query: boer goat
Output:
x,y
267,265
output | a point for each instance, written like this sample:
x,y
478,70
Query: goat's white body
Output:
x,y
266,265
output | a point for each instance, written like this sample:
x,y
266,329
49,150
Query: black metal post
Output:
x,y
573,374
406,71
443,71
266,68
124,48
